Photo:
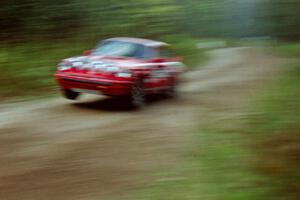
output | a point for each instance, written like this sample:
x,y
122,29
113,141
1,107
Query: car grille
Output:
x,y
87,81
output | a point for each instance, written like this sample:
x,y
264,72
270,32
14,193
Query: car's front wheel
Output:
x,y
138,94
70,94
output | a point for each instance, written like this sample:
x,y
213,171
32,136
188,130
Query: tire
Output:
x,y
138,94
69,94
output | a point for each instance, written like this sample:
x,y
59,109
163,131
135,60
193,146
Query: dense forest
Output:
x,y
27,20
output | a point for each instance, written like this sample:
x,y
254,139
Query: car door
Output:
x,y
166,66
157,77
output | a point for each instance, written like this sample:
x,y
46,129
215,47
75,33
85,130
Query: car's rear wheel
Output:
x,y
138,94
70,94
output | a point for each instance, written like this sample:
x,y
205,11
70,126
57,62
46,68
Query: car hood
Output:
x,y
102,62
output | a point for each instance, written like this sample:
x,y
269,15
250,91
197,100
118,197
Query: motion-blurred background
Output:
x,y
238,150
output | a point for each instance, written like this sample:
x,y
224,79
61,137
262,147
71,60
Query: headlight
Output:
x,y
124,74
63,67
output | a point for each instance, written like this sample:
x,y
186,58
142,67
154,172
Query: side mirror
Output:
x,y
88,52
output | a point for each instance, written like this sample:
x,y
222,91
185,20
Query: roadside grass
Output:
x,y
278,150
27,69
251,155
288,50
278,130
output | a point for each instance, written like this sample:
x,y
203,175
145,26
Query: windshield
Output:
x,y
119,48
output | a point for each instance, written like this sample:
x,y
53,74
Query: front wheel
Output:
x,y
138,94
70,94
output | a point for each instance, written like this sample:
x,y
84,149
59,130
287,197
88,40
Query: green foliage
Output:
x,y
38,19
284,18
27,20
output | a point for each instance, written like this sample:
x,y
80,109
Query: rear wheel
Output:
x,y
138,94
70,94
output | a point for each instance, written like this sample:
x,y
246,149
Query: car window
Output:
x,y
119,48
165,52
150,53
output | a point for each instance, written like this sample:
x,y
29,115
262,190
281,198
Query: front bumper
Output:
x,y
104,86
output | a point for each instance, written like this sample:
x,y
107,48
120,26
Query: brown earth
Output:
x,y
97,148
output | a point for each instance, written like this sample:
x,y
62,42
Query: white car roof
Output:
x,y
146,42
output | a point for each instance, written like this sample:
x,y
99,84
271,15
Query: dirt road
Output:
x,y
96,148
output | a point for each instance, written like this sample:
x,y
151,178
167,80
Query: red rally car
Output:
x,y
129,67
